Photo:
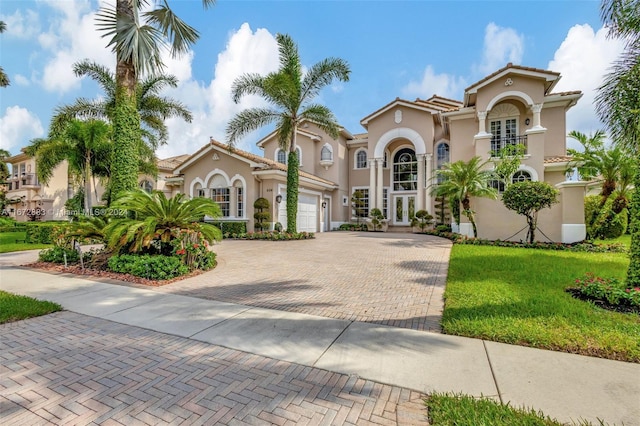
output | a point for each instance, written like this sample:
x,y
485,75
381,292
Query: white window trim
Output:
x,y
275,157
530,170
330,148
355,159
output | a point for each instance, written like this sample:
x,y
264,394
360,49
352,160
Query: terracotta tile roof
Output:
x,y
557,159
270,164
440,103
171,162
510,65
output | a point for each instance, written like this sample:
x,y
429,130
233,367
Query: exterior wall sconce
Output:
x,y
278,198
527,121
324,204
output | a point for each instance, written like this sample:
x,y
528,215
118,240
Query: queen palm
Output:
x,y
4,79
136,38
290,95
618,104
612,165
153,108
85,145
462,180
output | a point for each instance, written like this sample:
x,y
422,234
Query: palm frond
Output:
x,y
101,74
247,121
323,74
247,84
181,34
323,117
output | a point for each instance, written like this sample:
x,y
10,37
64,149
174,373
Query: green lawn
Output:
x,y
517,296
462,410
8,242
624,239
14,307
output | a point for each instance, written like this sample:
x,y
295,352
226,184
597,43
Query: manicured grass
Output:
x,y
517,296
462,410
8,242
15,308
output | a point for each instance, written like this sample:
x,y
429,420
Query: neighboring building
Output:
x,y
394,164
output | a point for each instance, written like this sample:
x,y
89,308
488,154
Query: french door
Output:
x,y
404,209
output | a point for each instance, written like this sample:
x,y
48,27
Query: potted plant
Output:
x,y
377,220
421,220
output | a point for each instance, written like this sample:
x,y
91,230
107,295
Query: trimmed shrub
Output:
x,y
273,236
44,232
231,227
155,267
260,215
602,221
57,254
352,227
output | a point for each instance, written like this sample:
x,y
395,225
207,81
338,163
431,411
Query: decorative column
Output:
x,y
429,159
536,108
379,184
482,123
372,184
420,186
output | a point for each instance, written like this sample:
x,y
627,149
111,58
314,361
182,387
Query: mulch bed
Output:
x,y
625,309
97,273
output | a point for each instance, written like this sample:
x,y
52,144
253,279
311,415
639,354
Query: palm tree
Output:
x,y
290,94
158,219
137,43
463,180
85,145
618,104
153,108
612,165
4,78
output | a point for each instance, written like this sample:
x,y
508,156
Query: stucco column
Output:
x,y
536,108
372,184
482,123
429,159
421,186
379,184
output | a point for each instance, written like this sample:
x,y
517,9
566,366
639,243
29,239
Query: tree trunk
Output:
x,y
292,185
87,184
466,208
126,122
633,273
532,228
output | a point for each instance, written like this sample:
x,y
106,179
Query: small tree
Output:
x,y
421,220
357,202
528,198
377,219
261,216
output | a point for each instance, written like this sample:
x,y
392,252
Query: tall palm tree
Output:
x,y
153,108
618,104
4,78
463,180
596,161
136,38
290,94
86,147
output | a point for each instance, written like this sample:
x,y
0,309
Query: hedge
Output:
x,y
44,232
231,227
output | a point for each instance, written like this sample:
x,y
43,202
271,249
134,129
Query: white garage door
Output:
x,y
307,213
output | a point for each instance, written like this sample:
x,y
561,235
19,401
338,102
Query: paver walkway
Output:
x,y
68,368
381,278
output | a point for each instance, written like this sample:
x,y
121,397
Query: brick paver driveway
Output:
x,y
68,368
394,279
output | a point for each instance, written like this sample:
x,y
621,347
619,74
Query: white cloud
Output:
x,y
446,85
21,80
501,45
17,127
583,59
22,26
71,37
210,103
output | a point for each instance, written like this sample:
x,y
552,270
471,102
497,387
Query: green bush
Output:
x,y
601,221
352,227
261,216
154,267
7,221
611,290
272,236
44,232
57,254
13,228
231,227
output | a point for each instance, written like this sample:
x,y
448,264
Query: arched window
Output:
x,y
361,159
220,194
281,156
442,155
405,170
521,176
326,154
146,186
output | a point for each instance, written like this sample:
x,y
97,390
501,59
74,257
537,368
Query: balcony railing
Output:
x,y
497,144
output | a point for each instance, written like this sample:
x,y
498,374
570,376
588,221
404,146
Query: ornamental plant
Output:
x,y
611,290
422,219
377,219
527,199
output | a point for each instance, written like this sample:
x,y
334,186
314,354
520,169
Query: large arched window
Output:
x,y
281,156
405,170
220,193
146,186
521,176
361,159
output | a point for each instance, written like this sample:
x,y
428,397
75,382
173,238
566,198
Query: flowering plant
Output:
x,y
611,290
193,248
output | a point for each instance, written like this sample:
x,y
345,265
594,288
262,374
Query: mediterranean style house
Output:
x,y
393,165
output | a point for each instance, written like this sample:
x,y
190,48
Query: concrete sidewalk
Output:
x,y
568,387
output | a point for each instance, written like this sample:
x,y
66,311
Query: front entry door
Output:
x,y
404,209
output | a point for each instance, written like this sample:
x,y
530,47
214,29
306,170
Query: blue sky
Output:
x,y
404,49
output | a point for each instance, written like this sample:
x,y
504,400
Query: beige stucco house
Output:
x,y
394,163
